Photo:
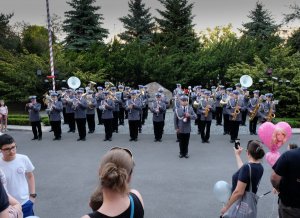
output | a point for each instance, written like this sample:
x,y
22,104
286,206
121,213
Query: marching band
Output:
x,y
229,107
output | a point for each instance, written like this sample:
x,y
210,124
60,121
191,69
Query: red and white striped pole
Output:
x,y
50,45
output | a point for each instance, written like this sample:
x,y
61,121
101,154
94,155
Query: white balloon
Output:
x,y
222,191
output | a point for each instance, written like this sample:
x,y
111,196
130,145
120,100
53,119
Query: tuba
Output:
x,y
73,82
246,81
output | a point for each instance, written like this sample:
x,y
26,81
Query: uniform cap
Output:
x,y
160,89
238,85
113,88
120,86
105,92
229,89
256,91
79,91
100,88
184,98
236,92
158,94
32,97
269,95
54,94
244,88
207,92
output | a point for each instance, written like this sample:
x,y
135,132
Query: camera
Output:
x,y
237,143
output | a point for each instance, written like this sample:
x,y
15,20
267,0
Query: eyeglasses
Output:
x,y
7,150
124,149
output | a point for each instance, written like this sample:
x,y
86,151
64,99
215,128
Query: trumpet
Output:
x,y
103,105
157,107
89,100
75,103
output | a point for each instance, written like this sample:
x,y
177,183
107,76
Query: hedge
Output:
x,y
23,120
294,122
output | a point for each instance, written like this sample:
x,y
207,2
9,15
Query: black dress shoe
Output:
x,y
140,131
159,140
83,139
131,140
255,133
203,141
105,140
110,139
50,130
180,156
79,139
155,140
186,156
224,133
135,140
34,138
231,141
117,131
57,138
69,131
207,141
177,140
40,138
251,133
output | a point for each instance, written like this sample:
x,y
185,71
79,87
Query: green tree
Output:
x,y
138,23
294,41
176,25
294,15
83,25
262,30
35,39
8,39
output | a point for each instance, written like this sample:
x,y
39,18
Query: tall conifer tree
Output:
x,y
83,25
176,24
138,23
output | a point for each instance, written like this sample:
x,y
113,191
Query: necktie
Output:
x,y
183,109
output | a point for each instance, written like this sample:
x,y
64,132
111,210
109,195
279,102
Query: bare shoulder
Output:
x,y
85,216
138,195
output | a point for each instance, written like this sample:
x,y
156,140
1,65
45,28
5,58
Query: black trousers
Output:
x,y
252,125
234,129
108,127
91,121
205,134
244,116
199,122
219,112
36,128
115,122
134,128
99,115
81,122
121,116
226,125
184,139
56,127
140,123
64,116
71,121
158,129
144,114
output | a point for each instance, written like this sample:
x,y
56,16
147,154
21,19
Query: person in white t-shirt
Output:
x,y
18,171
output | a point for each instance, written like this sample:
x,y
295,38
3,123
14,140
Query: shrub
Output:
x,y
294,122
18,121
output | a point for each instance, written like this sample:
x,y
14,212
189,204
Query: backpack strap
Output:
x,y
131,206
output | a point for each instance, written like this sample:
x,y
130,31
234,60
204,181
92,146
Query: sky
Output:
x,y
208,13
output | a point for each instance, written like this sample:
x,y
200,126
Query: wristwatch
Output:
x,y
33,195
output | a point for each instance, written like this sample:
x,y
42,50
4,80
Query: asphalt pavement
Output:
x,y
66,172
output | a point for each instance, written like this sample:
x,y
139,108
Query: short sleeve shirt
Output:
x,y
15,173
243,175
288,167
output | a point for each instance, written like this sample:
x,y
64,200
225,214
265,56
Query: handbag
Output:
x,y
131,206
244,207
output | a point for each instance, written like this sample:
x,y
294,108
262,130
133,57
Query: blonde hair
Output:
x,y
274,136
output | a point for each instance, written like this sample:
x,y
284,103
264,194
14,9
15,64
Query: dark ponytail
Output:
x,y
255,150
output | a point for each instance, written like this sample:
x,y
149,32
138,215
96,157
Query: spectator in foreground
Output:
x,y
113,197
286,180
18,171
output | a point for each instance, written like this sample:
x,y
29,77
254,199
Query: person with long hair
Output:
x,y
241,179
3,116
113,197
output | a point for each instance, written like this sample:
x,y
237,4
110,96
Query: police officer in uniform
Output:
x,y
266,107
253,104
122,105
134,109
90,111
235,107
34,117
219,107
54,110
99,97
207,106
182,123
107,107
226,112
80,106
158,108
67,100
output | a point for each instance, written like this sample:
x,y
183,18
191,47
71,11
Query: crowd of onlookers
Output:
x,y
114,198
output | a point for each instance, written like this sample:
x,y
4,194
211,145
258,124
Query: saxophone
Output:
x,y
270,115
252,114
236,111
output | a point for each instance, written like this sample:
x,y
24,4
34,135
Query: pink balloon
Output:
x,y
272,157
265,133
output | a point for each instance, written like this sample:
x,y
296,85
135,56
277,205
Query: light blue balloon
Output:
x,y
222,191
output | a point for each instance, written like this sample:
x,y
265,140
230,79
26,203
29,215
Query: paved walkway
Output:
x,y
66,174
